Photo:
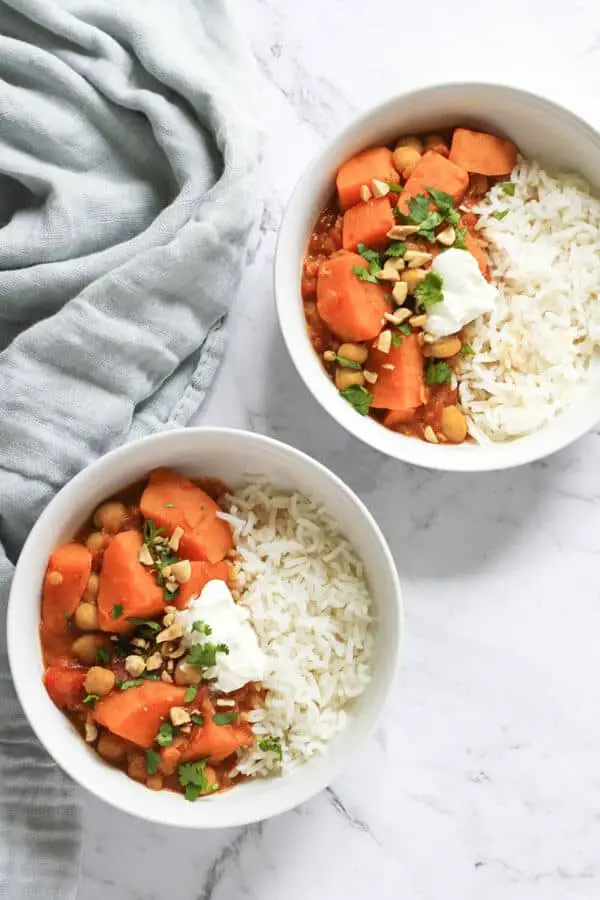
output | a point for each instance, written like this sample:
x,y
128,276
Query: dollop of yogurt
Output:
x,y
229,624
467,295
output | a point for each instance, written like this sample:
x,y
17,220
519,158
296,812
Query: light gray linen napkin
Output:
x,y
128,149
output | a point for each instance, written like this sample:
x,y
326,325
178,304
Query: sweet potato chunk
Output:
x,y
127,588
482,153
352,309
362,169
368,223
64,583
434,171
137,713
172,501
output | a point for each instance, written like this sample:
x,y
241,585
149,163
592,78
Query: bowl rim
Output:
x,y
446,458
21,677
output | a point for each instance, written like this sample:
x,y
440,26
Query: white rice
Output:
x,y
305,589
533,351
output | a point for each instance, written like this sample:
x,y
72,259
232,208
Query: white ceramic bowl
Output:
x,y
229,455
544,131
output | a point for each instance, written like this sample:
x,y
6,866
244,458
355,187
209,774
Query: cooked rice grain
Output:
x,y
309,604
532,353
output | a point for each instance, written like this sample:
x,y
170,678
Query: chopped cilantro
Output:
x,y
438,372
117,610
467,350
429,291
164,735
271,745
150,531
405,329
396,248
102,655
509,187
459,240
396,339
368,254
224,718
395,187
204,656
201,627
419,208
358,397
193,778
145,627
190,694
197,718
501,214
445,205
169,595
90,699
129,683
368,274
428,226
152,761
347,363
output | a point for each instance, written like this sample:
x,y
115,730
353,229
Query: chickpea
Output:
x,y
412,141
86,647
405,160
111,516
154,782
86,617
186,674
136,767
111,747
90,594
454,424
412,277
99,681
345,378
444,347
54,578
354,352
438,143
96,541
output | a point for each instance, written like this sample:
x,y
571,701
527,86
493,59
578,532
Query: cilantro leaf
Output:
x,y
90,699
197,719
164,735
459,240
150,531
193,778
129,683
358,397
395,187
224,718
437,372
102,655
152,761
347,363
117,611
467,350
190,694
201,627
145,627
445,205
367,253
271,745
509,187
429,291
428,225
364,274
419,208
396,339
204,656
396,248
501,214
405,329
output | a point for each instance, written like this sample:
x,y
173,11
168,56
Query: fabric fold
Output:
x,y
128,154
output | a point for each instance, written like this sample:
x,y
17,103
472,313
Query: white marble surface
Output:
x,y
484,779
